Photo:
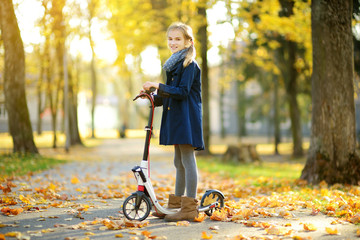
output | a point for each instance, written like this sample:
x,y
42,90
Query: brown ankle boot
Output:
x,y
189,210
173,202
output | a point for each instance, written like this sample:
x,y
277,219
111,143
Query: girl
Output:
x,y
181,123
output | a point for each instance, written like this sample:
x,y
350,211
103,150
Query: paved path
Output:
x,y
81,199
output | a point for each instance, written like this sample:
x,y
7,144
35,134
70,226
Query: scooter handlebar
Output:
x,y
147,93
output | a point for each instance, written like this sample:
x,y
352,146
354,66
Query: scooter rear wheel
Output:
x,y
210,197
136,207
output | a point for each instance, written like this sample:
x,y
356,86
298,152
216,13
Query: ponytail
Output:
x,y
190,56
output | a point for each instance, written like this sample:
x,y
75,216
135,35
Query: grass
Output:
x,y
19,165
288,169
251,170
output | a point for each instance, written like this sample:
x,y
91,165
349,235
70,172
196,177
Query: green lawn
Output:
x,y
18,165
248,170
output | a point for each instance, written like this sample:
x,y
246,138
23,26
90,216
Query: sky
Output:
x,y
105,49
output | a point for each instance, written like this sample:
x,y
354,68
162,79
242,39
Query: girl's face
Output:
x,y
177,41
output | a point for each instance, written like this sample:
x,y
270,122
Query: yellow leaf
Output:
x,y
209,200
200,217
13,234
75,180
52,187
24,199
219,215
205,236
331,231
119,235
309,227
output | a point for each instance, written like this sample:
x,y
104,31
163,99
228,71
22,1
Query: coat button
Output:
x,y
172,79
168,108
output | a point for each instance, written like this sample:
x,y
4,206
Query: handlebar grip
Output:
x,y
152,89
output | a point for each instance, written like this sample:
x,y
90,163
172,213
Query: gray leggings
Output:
x,y
186,170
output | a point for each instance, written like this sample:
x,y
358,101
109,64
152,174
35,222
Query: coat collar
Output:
x,y
177,69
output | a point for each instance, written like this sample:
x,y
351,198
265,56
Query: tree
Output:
x,y
53,29
14,82
93,6
277,39
332,155
288,54
73,103
203,39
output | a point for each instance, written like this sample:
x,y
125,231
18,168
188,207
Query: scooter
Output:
x,y
138,205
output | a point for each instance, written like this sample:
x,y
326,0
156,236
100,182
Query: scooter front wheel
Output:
x,y
137,207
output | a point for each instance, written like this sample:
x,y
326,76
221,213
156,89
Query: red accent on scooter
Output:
x,y
141,188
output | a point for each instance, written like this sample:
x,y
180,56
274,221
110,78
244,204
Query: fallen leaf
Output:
x,y
214,228
146,233
75,180
24,199
301,238
200,217
183,223
9,211
309,227
355,219
219,215
332,231
315,211
205,236
13,234
275,230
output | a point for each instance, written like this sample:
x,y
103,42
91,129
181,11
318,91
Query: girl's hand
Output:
x,y
142,91
148,85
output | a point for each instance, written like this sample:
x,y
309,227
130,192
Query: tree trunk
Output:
x,y
203,39
276,120
287,62
332,155
73,119
59,32
94,92
291,91
14,82
92,8
39,89
222,111
241,109
50,86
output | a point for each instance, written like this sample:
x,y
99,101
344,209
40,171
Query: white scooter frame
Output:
x,y
138,205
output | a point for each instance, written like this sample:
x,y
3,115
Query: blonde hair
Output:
x,y
188,35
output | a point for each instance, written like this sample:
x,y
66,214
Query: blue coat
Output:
x,y
180,97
